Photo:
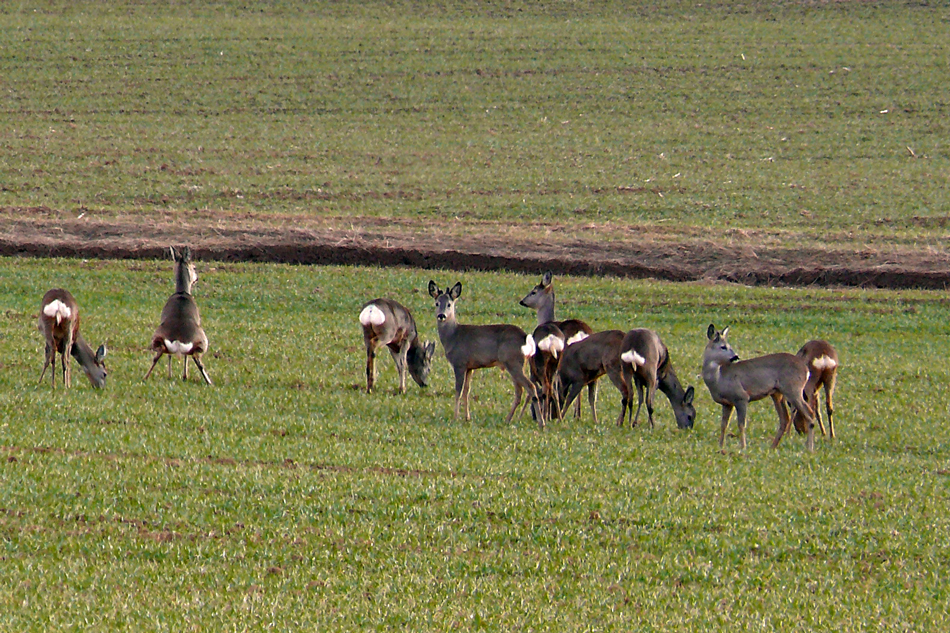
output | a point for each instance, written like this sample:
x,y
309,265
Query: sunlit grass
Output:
x,y
285,496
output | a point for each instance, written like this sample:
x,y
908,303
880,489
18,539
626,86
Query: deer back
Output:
x,y
762,376
387,322
591,358
59,317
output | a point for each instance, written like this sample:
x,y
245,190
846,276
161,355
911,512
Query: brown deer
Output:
x,y
585,362
544,366
646,361
59,323
734,384
471,347
541,299
822,361
179,332
387,322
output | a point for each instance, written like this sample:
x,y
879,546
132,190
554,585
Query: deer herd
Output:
x,y
563,357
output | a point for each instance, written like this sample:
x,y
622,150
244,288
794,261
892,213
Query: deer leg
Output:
x,y
741,409
184,367
812,401
784,419
201,367
571,391
521,382
50,358
640,399
370,367
67,351
402,364
726,414
154,362
592,397
829,406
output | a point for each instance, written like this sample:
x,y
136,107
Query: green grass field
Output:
x,y
286,498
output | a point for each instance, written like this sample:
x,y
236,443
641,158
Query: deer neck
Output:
x,y
669,384
82,352
182,280
546,310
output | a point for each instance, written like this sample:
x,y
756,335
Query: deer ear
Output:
x,y
547,278
430,349
433,289
101,353
456,290
688,396
724,333
711,331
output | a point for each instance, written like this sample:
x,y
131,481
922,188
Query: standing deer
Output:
x,y
471,347
822,361
545,364
59,323
585,362
734,384
179,333
645,360
541,299
387,322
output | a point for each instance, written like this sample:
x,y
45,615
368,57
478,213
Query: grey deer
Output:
x,y
59,323
822,361
179,332
387,322
471,347
734,384
645,360
541,299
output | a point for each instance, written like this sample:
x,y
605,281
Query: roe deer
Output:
x,y
734,384
59,323
179,333
585,362
544,366
541,299
645,360
387,322
471,347
822,361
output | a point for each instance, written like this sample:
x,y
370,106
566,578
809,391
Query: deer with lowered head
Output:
x,y
59,323
541,299
471,347
179,332
822,361
734,384
644,360
387,322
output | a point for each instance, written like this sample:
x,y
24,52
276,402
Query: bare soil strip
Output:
x,y
744,257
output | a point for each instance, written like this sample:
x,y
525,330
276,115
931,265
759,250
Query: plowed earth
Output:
x,y
673,254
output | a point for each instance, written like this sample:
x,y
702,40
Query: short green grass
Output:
x,y
823,118
285,497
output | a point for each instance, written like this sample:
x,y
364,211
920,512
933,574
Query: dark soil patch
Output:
x,y
640,252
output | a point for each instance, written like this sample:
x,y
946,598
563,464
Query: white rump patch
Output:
x,y
529,348
632,358
58,310
372,315
551,344
824,362
577,338
177,347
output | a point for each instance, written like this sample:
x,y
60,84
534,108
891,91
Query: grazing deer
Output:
x,y
541,299
179,333
471,347
645,360
59,323
585,362
822,361
544,366
734,384
387,322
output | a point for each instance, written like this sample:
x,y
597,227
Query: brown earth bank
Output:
x,y
651,251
